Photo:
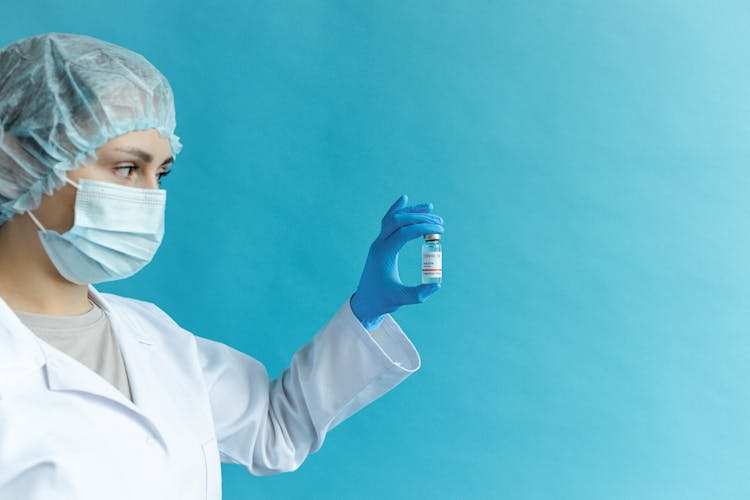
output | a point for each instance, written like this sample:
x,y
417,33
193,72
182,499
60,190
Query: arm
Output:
x,y
271,426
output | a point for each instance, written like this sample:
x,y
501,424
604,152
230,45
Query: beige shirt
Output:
x,y
87,338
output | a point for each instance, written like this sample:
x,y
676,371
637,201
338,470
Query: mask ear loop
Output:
x,y
36,221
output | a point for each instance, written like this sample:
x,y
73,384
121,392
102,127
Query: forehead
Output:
x,y
146,140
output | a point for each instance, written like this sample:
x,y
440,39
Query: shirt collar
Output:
x,y
20,348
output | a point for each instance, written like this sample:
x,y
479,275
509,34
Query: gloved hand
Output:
x,y
380,290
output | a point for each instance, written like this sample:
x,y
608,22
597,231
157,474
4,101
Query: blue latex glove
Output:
x,y
380,290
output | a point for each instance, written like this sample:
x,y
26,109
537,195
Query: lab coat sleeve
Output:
x,y
271,426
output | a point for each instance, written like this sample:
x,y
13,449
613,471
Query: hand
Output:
x,y
380,290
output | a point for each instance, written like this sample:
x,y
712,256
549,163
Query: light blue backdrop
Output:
x,y
590,160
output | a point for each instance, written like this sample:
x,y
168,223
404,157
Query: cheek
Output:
x,y
57,212
95,171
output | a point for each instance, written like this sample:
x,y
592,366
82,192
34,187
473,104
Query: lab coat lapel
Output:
x,y
136,345
18,345
21,348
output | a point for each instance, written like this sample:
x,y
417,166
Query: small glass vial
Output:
x,y
432,259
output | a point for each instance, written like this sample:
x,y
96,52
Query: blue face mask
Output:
x,y
116,232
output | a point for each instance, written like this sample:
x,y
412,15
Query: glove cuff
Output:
x,y
368,321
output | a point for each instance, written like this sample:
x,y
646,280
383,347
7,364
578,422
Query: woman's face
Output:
x,y
136,159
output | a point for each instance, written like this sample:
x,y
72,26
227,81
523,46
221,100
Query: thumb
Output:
x,y
420,293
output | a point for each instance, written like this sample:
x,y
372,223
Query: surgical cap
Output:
x,y
61,97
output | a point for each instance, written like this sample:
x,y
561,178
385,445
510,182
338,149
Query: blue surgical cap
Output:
x,y
61,97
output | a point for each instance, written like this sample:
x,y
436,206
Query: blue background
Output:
x,y
590,161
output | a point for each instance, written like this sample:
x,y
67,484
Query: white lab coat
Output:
x,y
65,432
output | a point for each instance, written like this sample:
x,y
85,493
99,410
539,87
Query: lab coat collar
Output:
x,y
141,334
21,348
18,345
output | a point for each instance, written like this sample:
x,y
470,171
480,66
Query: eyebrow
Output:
x,y
143,155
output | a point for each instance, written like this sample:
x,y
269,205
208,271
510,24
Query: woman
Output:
x,y
103,396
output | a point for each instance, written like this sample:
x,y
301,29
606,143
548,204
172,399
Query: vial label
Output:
x,y
432,265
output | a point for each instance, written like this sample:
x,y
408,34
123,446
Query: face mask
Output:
x,y
116,232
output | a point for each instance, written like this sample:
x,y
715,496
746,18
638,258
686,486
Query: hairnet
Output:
x,y
61,97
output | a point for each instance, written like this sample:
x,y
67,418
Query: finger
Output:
x,y
422,207
400,203
398,238
404,219
420,293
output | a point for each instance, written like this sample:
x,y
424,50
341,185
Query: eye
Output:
x,y
124,171
127,172
161,175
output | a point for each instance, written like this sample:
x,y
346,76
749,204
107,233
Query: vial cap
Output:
x,y
432,237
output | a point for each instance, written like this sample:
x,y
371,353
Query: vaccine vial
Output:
x,y
432,259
